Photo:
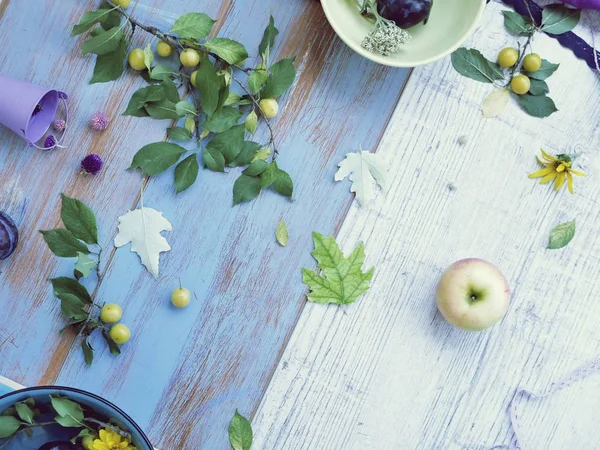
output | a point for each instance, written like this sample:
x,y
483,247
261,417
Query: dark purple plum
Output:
x,y
405,13
9,236
59,445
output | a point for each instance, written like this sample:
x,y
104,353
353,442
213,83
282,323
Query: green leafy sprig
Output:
x,y
556,19
216,118
79,239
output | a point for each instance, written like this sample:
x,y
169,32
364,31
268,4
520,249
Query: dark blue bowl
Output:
x,y
42,435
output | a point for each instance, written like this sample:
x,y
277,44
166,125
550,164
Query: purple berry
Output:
x,y
405,13
91,164
50,142
9,236
99,121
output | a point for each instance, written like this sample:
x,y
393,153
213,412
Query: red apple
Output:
x,y
473,294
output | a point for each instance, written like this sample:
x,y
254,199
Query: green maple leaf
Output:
x,y
342,279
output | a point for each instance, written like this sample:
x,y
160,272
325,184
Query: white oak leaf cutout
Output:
x,y
365,171
142,227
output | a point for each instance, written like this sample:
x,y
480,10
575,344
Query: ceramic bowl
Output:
x,y
450,24
43,435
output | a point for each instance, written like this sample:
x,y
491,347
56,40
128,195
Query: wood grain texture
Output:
x,y
388,372
184,372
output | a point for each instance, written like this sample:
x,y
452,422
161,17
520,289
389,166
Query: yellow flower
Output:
x,y
557,168
109,440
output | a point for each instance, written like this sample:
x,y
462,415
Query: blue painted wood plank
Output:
x,y
185,372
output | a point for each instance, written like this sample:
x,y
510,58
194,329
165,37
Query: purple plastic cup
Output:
x,y
28,109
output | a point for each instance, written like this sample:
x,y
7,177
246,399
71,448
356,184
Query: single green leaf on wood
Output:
x,y
561,235
79,219
229,143
256,168
268,40
281,234
8,426
245,188
257,79
208,84
62,243
472,64
88,20
341,279
85,265
251,122
148,57
110,66
538,87
231,51
281,77
64,286
68,410
516,24
25,412
248,152
193,26
536,105
179,134
545,71
157,157
213,159
240,432
104,43
186,173
223,119
558,18
88,351
112,345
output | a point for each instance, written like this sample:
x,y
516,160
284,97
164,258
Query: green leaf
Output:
x,y
516,24
113,19
245,188
208,84
141,97
256,80
25,412
184,108
256,168
561,235
279,179
558,18
110,66
229,143
62,243
8,426
213,159
193,26
162,72
85,265
64,287
170,90
104,43
341,279
148,57
223,119
251,122
281,77
232,99
88,20
163,109
240,432
79,219
545,71
88,352
83,433
231,51
538,87
72,307
536,105
268,40
190,124
472,64
186,173
178,134
245,156
263,153
112,345
281,234
157,157
70,413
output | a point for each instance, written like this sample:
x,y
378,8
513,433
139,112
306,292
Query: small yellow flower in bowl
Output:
x,y
110,440
557,168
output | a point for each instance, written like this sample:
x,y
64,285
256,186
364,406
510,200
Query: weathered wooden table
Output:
x,y
384,373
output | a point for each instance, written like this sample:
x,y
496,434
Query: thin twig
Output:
x,y
123,434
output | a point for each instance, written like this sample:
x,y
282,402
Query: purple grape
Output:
x,y
9,236
405,13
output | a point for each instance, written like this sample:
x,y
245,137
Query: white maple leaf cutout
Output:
x,y
365,170
142,227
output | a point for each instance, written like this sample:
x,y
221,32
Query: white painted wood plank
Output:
x,y
388,372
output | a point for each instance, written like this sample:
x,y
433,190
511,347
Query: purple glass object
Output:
x,y
9,236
